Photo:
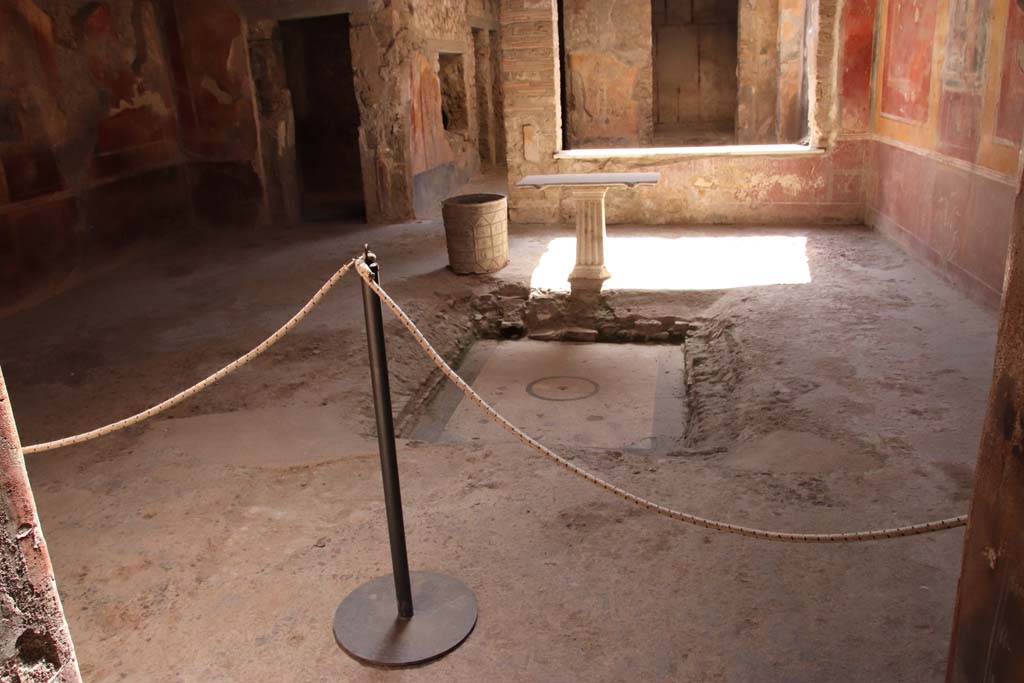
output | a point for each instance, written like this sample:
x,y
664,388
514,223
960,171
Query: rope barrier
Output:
x,y
196,388
495,416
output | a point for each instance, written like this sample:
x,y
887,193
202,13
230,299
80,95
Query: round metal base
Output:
x,y
367,625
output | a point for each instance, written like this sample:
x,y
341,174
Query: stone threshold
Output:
x,y
789,150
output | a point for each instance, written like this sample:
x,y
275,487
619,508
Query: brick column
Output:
x,y
530,78
35,644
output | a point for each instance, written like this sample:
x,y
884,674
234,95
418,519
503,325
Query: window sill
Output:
x,y
690,152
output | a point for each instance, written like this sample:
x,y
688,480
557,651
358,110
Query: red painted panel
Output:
x,y
129,128
962,219
37,243
847,187
31,171
8,256
907,76
948,228
990,222
224,125
1010,123
960,124
906,185
858,45
430,147
848,155
179,72
41,26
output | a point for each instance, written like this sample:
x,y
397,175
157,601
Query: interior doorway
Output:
x,y
318,63
695,57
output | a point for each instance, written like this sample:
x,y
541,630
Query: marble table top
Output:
x,y
590,180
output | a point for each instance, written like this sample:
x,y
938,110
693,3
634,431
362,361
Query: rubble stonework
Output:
x,y
512,312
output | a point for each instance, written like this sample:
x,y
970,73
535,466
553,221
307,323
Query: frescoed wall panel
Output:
x,y
908,65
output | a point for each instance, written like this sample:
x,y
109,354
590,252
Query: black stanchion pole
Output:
x,y
377,623
386,440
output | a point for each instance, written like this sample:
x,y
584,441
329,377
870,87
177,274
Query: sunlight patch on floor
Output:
x,y
684,263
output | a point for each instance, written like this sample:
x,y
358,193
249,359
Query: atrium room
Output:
x,y
694,329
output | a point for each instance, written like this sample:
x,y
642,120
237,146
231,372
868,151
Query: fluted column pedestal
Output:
x,y
589,189
590,271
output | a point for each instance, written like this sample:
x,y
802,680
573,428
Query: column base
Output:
x,y
588,272
588,279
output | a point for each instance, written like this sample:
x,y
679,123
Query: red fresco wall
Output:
x,y
89,154
908,67
957,220
858,46
1010,121
942,183
962,78
146,125
218,119
430,147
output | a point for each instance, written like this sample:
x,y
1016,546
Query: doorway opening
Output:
x,y
695,57
454,103
318,63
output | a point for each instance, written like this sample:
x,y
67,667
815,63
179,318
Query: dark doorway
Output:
x,y
318,60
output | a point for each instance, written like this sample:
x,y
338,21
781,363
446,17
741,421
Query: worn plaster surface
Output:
x,y
215,542
609,77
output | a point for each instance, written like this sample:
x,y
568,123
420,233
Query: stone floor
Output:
x,y
567,395
214,543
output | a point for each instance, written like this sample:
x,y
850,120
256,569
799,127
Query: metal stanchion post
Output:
x,y
386,443
409,617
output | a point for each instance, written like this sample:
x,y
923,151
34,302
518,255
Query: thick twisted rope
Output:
x,y
495,416
196,388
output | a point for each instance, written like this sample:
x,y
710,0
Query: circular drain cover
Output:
x,y
562,388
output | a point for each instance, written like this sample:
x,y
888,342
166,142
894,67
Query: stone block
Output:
x,y
580,334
